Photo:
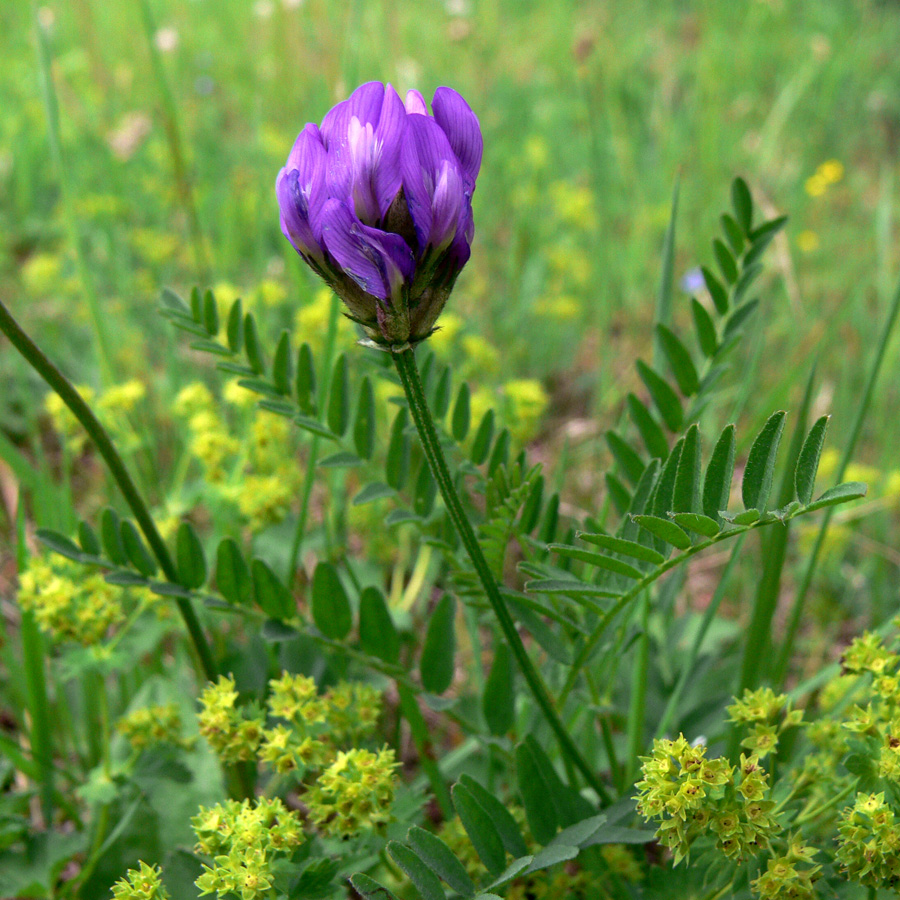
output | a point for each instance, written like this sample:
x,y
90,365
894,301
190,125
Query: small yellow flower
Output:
x,y
862,472
448,330
527,400
808,241
892,484
562,308
574,205
816,185
192,399
270,293
481,354
831,171
237,395
154,247
537,152
41,273
122,398
311,322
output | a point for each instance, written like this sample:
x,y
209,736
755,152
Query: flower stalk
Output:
x,y
405,362
36,358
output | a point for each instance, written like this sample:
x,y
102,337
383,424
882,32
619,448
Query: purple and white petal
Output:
x,y
296,225
415,104
364,103
379,262
446,205
390,135
426,155
461,126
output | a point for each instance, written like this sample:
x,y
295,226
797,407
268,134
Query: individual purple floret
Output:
x,y
378,201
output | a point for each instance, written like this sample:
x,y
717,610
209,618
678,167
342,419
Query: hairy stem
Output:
x,y
35,357
405,361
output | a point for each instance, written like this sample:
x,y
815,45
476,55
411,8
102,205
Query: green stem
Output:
x,y
784,656
33,653
418,727
811,814
310,477
405,361
637,708
35,357
708,616
173,135
51,110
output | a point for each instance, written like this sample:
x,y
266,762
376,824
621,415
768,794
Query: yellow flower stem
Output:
x,y
811,814
405,362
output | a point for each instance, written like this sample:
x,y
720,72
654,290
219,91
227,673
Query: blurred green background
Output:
x,y
174,118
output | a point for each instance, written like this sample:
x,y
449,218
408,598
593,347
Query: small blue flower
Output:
x,y
692,281
378,201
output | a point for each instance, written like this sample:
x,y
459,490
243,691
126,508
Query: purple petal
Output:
x,y
364,103
307,146
415,104
298,222
461,126
379,262
446,205
423,157
390,135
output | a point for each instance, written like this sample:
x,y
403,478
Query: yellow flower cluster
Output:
x,y
869,850
155,247
695,797
245,840
150,725
356,791
143,883
41,273
884,491
112,407
527,402
311,322
305,743
70,603
233,732
270,478
64,423
761,710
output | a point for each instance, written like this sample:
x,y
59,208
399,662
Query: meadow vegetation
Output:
x,y
351,698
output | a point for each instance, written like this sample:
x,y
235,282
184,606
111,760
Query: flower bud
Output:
x,y
378,202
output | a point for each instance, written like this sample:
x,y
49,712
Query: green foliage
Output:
x,y
370,592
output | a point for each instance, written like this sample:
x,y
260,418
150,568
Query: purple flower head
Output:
x,y
378,201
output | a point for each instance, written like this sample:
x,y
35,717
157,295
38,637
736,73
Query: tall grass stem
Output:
x,y
34,663
172,126
76,238
784,656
